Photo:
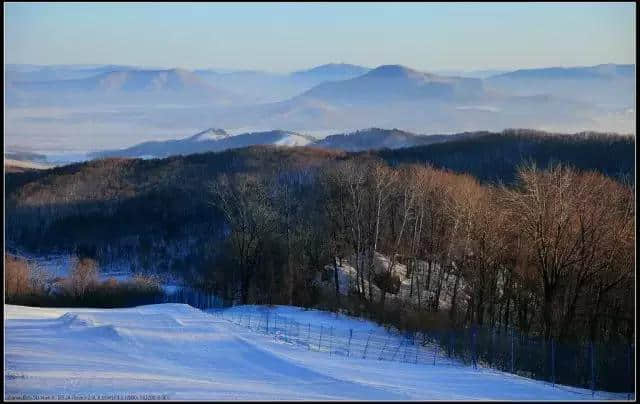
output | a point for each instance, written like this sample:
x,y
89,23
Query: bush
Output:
x,y
84,276
17,277
81,289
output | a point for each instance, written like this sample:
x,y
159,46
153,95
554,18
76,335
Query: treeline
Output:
x,y
25,285
495,157
552,256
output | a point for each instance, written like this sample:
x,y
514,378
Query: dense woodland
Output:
x,y
494,157
533,231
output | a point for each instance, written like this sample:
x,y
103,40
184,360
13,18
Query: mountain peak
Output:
x,y
209,134
334,70
393,71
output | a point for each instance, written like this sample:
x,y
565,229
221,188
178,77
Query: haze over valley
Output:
x,y
76,109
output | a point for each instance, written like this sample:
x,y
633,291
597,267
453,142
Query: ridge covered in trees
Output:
x,y
493,157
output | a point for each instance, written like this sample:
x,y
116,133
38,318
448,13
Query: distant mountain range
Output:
x,y
15,72
258,86
218,140
206,141
125,101
126,86
607,85
336,83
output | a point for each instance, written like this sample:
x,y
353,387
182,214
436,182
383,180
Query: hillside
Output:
x,y
192,355
134,203
496,156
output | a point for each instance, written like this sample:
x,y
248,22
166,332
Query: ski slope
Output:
x,y
174,351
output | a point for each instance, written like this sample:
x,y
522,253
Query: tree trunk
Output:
x,y
452,311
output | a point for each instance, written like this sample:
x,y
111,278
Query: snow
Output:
x,y
347,278
209,134
292,140
174,351
26,164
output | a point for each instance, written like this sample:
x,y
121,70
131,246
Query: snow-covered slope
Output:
x,y
209,134
209,140
173,351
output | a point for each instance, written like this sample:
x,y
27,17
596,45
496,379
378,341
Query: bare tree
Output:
x,y
247,209
545,210
83,276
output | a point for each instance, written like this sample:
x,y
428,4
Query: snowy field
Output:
x,y
174,351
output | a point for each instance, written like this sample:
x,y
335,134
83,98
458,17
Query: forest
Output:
x,y
544,245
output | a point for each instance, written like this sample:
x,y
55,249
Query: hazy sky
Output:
x,y
285,37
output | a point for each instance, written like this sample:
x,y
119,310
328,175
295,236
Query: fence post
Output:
x,y
291,324
415,344
630,371
512,357
249,325
275,323
384,347
349,344
330,341
267,323
452,346
286,329
309,335
320,340
435,349
364,356
593,373
553,362
404,355
491,347
474,357
397,349
283,322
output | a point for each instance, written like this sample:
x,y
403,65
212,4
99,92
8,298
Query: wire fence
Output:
x,y
593,366
596,367
364,344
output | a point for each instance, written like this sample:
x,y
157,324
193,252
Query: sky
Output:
x,y
283,37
